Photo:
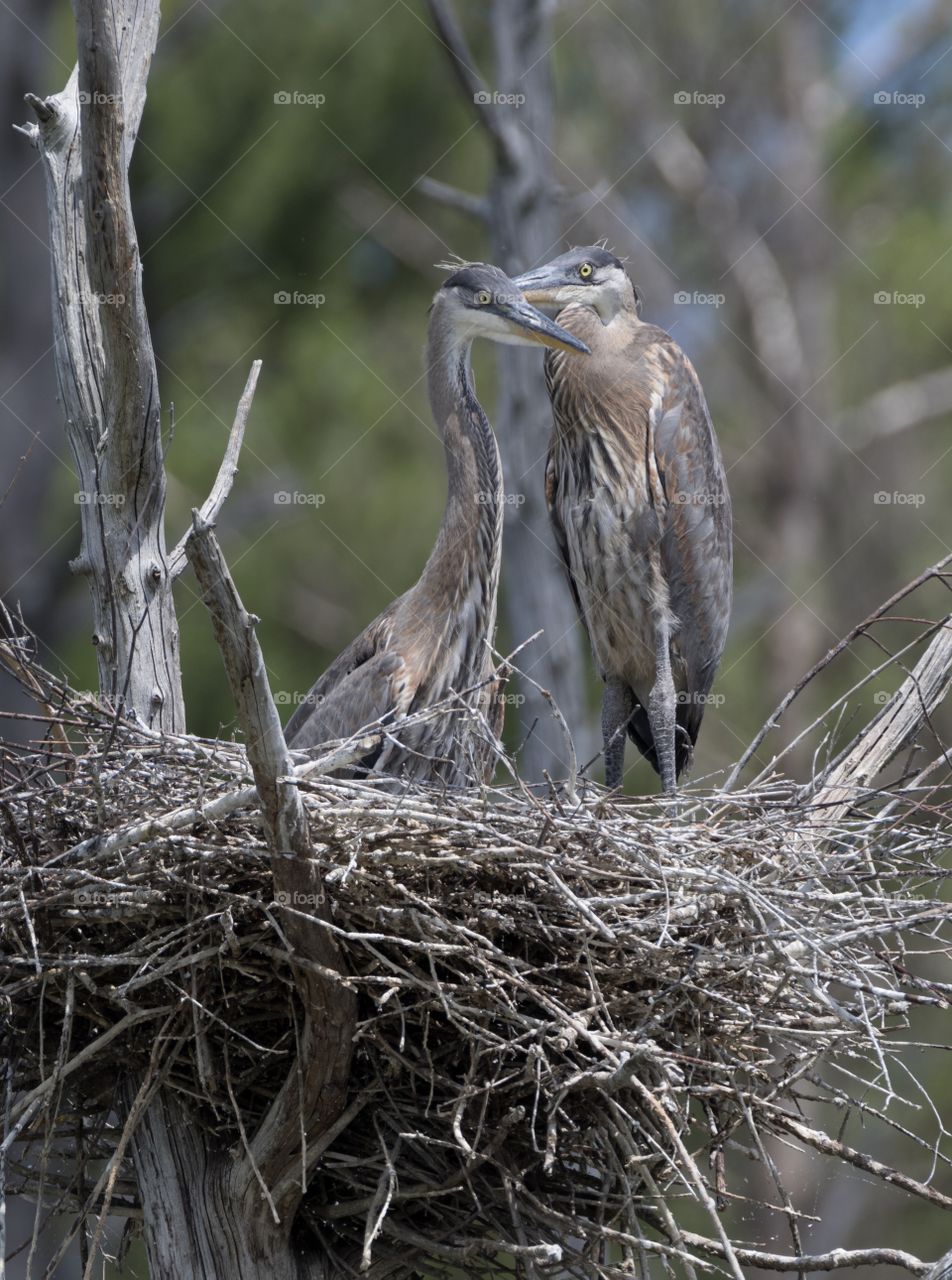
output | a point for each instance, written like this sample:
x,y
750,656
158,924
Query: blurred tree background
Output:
x,y
776,175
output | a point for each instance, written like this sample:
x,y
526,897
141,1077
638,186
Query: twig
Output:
x,y
451,37
833,1147
453,198
896,724
213,504
933,572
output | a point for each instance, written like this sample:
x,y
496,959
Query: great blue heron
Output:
x,y
638,500
434,640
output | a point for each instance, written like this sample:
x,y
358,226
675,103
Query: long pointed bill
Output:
x,y
541,285
536,327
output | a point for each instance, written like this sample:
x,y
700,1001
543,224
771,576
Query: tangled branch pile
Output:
x,y
570,1016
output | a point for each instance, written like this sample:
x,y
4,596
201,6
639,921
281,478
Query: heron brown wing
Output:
x,y
696,539
557,524
356,690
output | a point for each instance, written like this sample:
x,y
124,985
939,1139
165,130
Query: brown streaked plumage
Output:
x,y
433,642
640,510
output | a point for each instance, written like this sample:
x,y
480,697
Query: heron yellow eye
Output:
x,y
484,297
585,270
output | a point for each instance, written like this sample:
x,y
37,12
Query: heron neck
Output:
x,y
464,563
609,303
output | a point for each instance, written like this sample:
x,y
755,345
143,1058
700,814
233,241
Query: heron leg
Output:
x,y
617,706
662,708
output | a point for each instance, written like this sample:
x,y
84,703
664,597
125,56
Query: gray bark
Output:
x,y
30,435
889,732
804,462
525,232
104,360
942,1269
203,1218
524,221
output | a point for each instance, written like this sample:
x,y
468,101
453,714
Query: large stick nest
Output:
x,y
568,1013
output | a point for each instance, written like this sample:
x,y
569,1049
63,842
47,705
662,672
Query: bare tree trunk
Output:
x,y
104,360
201,1220
28,427
803,463
523,219
525,231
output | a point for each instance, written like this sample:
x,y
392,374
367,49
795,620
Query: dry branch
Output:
x,y
942,1270
897,408
896,725
499,126
938,570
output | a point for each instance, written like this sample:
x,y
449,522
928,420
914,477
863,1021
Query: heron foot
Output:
x,y
662,706
617,706
661,716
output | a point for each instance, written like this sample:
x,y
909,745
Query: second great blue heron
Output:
x,y
640,510
434,641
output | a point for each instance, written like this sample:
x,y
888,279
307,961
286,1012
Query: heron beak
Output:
x,y
541,286
536,327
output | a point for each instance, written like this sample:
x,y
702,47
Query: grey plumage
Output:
x,y
640,511
433,642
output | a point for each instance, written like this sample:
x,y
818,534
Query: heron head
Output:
x,y
590,276
484,303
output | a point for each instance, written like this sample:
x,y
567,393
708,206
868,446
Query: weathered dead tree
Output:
x,y
104,361
301,1027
